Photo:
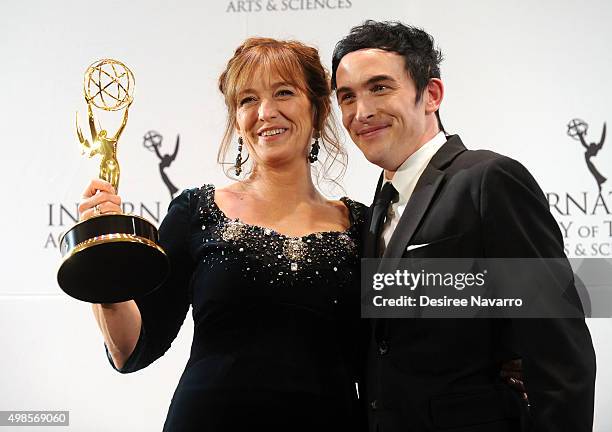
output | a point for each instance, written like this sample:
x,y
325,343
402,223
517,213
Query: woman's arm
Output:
x,y
120,325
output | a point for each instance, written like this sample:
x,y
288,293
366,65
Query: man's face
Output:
x,y
377,98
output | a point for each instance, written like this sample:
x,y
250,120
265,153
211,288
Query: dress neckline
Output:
x,y
271,231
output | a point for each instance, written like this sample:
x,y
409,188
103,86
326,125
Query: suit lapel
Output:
x,y
416,208
422,196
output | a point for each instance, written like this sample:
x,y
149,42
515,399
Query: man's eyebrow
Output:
x,y
372,80
379,78
343,90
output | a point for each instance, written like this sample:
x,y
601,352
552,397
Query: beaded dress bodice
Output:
x,y
283,259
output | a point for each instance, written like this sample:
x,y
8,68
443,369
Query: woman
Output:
x,y
268,264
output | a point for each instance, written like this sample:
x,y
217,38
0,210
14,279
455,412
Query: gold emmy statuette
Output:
x,y
115,257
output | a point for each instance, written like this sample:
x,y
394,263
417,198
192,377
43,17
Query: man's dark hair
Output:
x,y
421,58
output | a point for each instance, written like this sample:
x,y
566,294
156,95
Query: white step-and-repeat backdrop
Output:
x,y
516,73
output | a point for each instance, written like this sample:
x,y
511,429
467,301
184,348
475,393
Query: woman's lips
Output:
x,y
268,138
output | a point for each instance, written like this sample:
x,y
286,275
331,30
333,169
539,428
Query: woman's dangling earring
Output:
x,y
314,151
238,164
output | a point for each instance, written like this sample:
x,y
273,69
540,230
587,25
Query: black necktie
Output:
x,y
379,212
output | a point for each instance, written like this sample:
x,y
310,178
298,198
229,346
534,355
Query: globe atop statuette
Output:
x,y
109,85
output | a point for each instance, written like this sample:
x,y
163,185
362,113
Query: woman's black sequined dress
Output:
x,y
275,319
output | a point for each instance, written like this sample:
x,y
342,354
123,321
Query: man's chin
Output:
x,y
375,153
376,159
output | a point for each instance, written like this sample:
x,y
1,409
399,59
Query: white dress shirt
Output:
x,y
405,180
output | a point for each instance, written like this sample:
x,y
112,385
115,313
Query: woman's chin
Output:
x,y
280,158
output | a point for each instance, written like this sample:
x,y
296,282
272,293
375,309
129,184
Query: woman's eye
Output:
x,y
285,92
246,100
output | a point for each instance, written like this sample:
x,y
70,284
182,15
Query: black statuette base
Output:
x,y
111,258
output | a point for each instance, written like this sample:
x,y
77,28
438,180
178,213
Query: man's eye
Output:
x,y
379,87
246,100
346,97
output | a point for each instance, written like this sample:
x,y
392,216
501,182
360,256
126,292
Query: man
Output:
x,y
441,200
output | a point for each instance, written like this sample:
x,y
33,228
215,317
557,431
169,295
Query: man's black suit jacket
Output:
x,y
443,374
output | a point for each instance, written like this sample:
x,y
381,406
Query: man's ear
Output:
x,y
435,94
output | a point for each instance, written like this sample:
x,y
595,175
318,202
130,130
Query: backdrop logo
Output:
x,y
577,129
252,6
153,141
584,215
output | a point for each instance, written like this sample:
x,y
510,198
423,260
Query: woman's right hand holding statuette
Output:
x,y
99,198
